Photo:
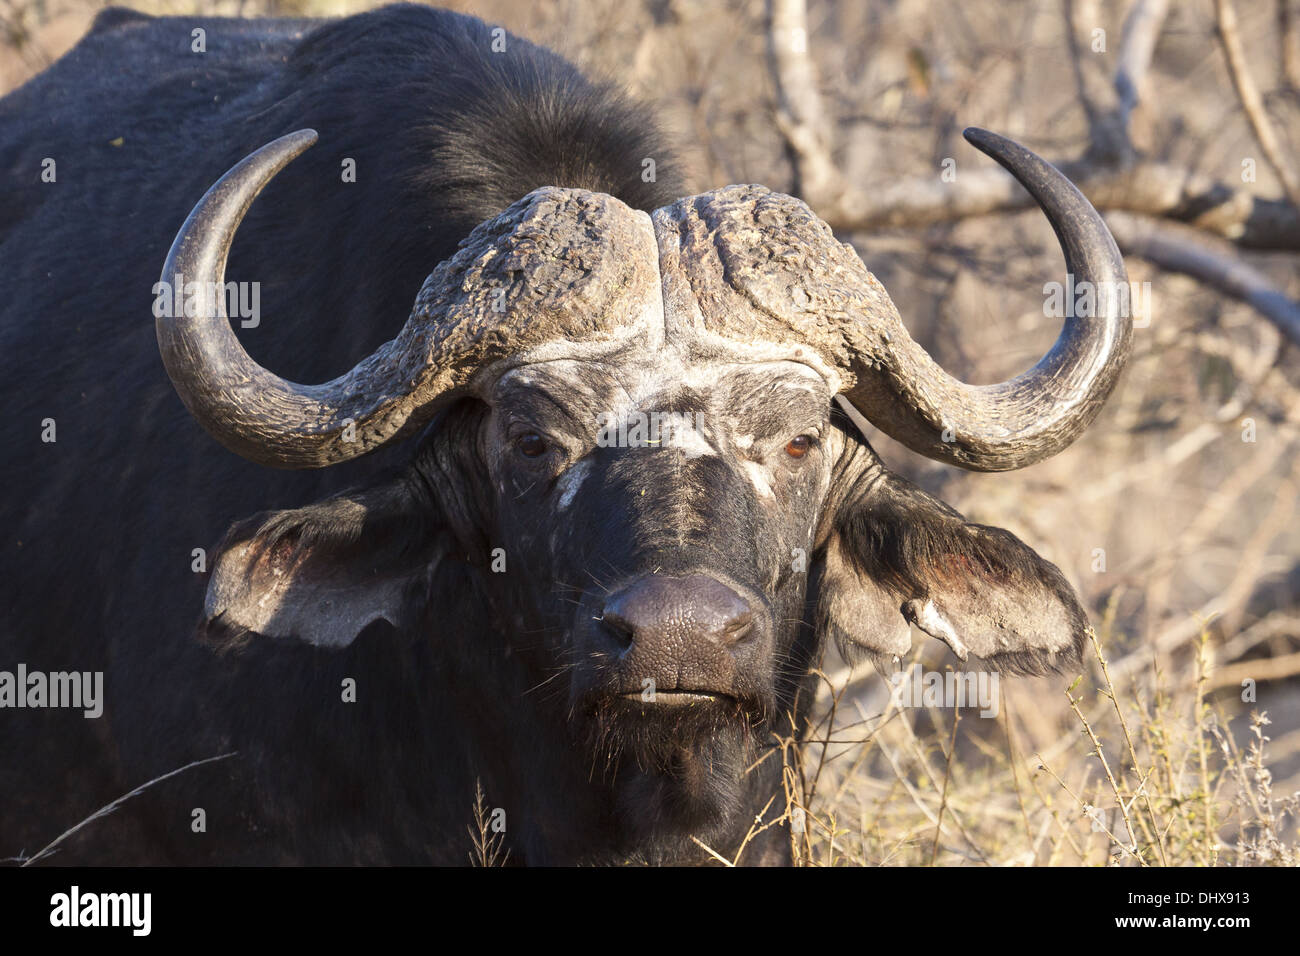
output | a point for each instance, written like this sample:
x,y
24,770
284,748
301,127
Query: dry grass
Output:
x,y
1151,771
487,838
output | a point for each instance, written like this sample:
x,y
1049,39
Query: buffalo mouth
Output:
x,y
674,702
672,719
680,698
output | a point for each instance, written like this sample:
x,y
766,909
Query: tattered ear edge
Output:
x,y
903,562
301,575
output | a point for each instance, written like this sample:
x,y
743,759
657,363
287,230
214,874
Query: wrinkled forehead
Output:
x,y
642,380
738,276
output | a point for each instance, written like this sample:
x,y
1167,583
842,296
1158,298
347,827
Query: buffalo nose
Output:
x,y
659,614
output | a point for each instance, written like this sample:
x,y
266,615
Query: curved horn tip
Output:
x,y
276,154
299,141
977,136
992,144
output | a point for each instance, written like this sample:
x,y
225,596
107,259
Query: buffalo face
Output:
x,y
661,520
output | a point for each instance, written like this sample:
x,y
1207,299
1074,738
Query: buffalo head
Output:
x,y
639,449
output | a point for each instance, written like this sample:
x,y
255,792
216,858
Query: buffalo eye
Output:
x,y
798,446
531,445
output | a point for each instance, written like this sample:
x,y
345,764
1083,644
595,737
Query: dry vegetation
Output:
x,y
1174,516
1150,772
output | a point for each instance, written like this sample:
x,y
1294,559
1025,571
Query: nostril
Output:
x,y
738,628
621,631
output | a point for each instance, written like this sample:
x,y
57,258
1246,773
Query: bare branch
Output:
x,y
1177,248
1109,103
799,112
1150,188
1141,186
1287,22
1258,669
1251,101
1141,30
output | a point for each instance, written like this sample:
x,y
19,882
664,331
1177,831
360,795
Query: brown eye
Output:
x,y
531,445
798,446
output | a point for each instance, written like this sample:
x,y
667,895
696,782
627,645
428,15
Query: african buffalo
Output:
x,y
581,526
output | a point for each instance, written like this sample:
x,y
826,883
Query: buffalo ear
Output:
x,y
895,556
323,573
